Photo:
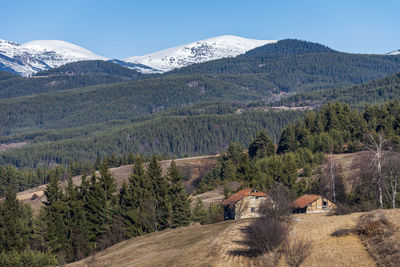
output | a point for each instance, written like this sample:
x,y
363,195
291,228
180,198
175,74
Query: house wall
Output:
x,y
317,207
243,208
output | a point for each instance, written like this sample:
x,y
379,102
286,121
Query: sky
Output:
x,y
122,28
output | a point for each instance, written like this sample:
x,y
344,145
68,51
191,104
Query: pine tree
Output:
x,y
56,211
163,209
142,213
99,205
199,213
262,146
179,200
15,223
76,223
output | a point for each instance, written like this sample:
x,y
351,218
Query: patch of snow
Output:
x,y
197,52
394,53
39,55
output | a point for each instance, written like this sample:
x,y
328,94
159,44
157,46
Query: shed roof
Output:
x,y
241,194
304,200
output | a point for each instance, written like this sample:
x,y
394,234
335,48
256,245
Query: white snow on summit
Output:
x,y
34,56
394,53
197,52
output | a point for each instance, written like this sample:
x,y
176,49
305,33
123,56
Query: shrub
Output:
x,y
341,209
296,251
265,234
374,224
341,231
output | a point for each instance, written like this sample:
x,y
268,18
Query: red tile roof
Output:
x,y
304,200
241,194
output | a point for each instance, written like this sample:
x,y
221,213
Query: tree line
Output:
x,y
79,219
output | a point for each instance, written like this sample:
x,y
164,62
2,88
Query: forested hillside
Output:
x,y
170,135
377,91
90,109
101,103
294,65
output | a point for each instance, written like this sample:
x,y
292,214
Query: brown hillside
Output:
x,y
218,244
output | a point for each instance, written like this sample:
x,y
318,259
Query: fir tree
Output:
x,y
262,146
199,213
163,209
15,223
56,212
179,200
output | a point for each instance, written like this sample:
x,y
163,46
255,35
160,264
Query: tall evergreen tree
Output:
x,y
262,146
179,199
56,212
163,209
15,223
100,204
76,223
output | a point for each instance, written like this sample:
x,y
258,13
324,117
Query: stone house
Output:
x,y
313,204
243,204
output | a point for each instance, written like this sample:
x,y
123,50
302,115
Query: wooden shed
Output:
x,y
243,204
313,204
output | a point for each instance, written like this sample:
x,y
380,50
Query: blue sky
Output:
x,y
118,29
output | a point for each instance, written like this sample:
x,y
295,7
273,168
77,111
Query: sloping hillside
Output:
x,y
219,244
191,169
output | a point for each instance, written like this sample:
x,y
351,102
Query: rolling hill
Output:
x,y
221,244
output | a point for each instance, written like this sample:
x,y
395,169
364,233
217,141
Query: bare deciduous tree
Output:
x,y
296,251
375,144
391,173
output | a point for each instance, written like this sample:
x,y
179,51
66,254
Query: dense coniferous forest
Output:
x,y
72,75
169,135
374,92
294,65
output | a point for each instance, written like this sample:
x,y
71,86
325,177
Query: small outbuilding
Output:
x,y
244,204
313,204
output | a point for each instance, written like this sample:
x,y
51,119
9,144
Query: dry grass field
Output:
x,y
218,244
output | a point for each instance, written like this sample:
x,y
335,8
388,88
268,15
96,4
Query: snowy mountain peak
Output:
x,y
197,52
394,53
31,57
61,47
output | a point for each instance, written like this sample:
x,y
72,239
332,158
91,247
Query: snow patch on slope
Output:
x,y
394,53
197,52
39,55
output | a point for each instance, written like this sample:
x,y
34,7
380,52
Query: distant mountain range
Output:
x,y
29,58
32,57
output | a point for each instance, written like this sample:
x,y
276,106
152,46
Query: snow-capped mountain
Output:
x,y
34,56
394,53
197,52
29,58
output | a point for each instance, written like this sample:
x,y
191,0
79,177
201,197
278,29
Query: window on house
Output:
x,y
324,203
253,209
